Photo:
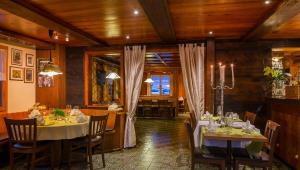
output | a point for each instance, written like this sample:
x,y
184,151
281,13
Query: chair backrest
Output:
x,y
21,131
190,132
97,126
249,116
193,120
271,132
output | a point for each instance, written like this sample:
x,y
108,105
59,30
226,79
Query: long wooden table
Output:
x,y
232,137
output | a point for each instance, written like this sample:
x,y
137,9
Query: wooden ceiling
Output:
x,y
228,19
109,22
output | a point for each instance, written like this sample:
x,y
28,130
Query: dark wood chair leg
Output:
x,y
90,155
236,165
102,152
193,164
223,166
11,160
32,163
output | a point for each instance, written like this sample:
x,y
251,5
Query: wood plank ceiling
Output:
x,y
120,22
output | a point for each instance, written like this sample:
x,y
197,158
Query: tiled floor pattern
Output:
x,y
162,144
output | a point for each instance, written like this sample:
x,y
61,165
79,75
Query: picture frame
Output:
x,y
28,75
29,60
43,81
16,57
16,73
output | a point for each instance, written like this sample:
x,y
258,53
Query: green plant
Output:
x,y
274,74
58,112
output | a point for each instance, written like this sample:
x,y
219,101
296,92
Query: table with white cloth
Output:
x,y
59,132
226,137
68,128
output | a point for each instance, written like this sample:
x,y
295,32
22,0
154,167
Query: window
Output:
x,y
161,85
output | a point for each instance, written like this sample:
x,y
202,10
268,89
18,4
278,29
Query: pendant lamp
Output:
x,y
50,69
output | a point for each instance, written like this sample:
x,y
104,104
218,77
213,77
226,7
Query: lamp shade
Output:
x,y
51,69
148,80
113,76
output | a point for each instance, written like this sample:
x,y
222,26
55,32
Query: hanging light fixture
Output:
x,y
112,76
149,79
50,69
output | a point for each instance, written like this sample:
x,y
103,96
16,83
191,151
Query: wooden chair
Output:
x,y
249,116
22,140
215,156
265,159
193,120
94,139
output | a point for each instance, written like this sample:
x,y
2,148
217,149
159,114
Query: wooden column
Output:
x,y
209,60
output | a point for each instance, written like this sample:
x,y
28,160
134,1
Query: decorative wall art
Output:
x,y
43,81
29,60
16,73
29,75
16,57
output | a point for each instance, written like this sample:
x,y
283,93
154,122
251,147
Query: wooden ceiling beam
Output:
x,y
159,15
161,60
282,12
23,39
24,9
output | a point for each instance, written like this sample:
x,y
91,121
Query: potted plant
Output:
x,y
58,114
277,78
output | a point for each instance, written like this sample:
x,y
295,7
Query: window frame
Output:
x,y
160,85
3,108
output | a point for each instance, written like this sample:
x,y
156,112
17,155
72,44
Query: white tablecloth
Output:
x,y
216,143
59,130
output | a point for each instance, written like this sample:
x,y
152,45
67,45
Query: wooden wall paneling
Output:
x,y
250,85
53,96
209,60
75,76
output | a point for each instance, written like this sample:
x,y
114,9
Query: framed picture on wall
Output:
x,y
29,75
16,57
16,73
43,81
29,60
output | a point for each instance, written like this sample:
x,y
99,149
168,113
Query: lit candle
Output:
x,y
220,69
212,75
222,74
232,74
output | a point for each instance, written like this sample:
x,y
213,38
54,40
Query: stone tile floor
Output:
x,y
161,144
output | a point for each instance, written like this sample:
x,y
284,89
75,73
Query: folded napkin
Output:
x,y
39,117
114,107
75,112
81,118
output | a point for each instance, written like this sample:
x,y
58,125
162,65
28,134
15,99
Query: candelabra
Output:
x,y
221,85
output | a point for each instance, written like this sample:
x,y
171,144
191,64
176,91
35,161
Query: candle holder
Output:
x,y
221,84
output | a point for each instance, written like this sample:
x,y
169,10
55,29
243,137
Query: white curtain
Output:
x,y
192,64
134,59
2,65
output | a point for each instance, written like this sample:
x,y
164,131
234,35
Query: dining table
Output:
x,y
225,136
59,132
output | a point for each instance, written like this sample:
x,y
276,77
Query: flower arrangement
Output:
x,y
274,74
58,113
